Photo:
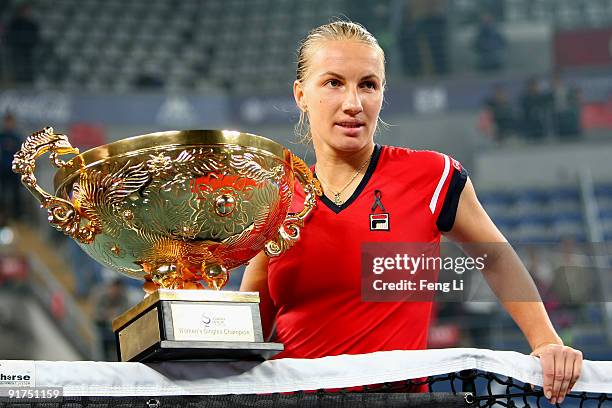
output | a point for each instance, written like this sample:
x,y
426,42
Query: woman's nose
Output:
x,y
352,102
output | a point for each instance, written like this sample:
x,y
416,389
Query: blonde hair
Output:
x,y
334,31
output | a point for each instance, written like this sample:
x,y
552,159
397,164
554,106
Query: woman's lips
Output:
x,y
350,128
350,124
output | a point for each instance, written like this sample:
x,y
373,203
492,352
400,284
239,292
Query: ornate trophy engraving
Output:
x,y
179,210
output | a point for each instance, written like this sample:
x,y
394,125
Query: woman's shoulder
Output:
x,y
416,157
422,164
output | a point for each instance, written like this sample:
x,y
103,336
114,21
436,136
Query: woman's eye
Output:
x,y
334,83
369,85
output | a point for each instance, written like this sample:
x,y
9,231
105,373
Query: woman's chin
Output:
x,y
351,144
341,142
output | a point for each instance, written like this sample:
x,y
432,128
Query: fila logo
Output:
x,y
379,222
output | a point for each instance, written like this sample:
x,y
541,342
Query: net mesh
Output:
x,y
468,388
489,389
318,399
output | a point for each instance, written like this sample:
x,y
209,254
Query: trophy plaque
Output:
x,y
178,210
206,324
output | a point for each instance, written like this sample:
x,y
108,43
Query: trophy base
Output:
x,y
193,325
208,351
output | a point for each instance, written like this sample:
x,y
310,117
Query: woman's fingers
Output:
x,y
561,367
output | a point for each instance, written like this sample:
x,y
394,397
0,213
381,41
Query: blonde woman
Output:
x,y
312,292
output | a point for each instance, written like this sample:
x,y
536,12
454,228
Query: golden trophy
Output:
x,y
177,209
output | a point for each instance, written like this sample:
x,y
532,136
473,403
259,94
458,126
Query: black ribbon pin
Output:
x,y
377,201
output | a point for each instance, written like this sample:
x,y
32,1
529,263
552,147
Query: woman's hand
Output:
x,y
561,366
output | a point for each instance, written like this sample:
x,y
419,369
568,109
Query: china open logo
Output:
x,y
205,320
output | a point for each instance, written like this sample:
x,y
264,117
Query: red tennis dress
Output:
x,y
315,285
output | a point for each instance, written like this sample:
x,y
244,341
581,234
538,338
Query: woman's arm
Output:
x,y
255,279
513,285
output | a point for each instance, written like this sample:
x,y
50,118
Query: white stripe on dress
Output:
x,y
436,195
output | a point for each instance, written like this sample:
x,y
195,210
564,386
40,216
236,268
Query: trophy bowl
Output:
x,y
178,209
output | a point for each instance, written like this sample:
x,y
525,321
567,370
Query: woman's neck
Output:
x,y
336,168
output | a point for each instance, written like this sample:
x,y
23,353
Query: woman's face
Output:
x,y
342,94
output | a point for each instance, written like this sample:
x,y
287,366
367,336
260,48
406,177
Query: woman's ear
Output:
x,y
298,95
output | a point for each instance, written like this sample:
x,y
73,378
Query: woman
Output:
x,y
312,292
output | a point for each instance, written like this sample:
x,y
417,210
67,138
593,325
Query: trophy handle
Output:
x,y
62,213
289,231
